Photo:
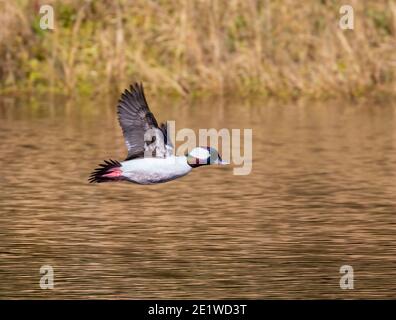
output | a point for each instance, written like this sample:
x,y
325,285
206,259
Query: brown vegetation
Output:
x,y
279,48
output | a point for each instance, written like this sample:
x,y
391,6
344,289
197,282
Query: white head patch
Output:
x,y
200,153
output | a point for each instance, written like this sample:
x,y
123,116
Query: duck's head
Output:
x,y
201,156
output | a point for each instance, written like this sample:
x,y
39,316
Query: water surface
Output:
x,y
321,195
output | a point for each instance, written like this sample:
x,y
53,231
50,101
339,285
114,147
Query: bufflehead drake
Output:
x,y
150,157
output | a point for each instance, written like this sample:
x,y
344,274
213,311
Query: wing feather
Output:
x,y
137,121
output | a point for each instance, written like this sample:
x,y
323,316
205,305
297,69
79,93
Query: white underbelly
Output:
x,y
155,170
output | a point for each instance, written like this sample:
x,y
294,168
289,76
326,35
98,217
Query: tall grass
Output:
x,y
276,48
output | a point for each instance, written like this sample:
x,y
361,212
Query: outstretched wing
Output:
x,y
142,135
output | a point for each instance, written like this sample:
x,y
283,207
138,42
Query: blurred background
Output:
x,y
282,48
321,194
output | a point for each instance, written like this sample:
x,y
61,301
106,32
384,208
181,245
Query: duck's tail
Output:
x,y
108,171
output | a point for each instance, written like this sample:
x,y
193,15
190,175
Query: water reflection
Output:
x,y
321,194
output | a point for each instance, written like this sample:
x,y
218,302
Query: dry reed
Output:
x,y
190,47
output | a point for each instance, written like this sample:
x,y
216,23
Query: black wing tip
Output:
x,y
135,89
134,97
96,176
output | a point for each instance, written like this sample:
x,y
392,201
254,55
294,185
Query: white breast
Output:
x,y
155,170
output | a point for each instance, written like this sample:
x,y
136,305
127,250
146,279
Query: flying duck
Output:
x,y
150,157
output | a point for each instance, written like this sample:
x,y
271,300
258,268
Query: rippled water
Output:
x,y
321,195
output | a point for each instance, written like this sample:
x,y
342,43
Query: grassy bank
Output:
x,y
275,48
